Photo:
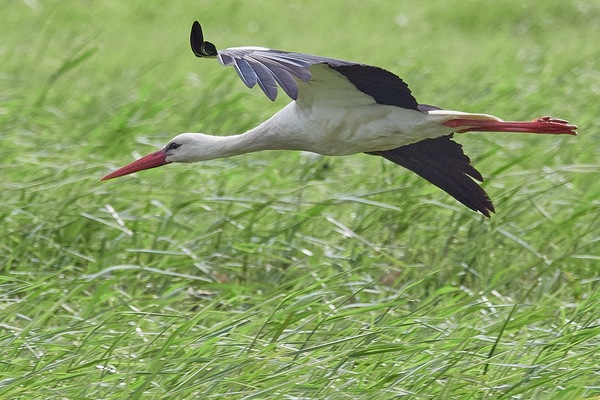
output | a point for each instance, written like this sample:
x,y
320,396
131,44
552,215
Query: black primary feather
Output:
x,y
199,46
442,162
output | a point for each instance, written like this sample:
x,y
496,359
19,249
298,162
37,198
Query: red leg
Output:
x,y
539,125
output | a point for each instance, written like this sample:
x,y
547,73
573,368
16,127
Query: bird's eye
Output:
x,y
173,146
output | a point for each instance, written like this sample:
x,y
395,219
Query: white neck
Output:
x,y
266,136
277,133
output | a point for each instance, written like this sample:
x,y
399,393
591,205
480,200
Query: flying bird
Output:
x,y
341,108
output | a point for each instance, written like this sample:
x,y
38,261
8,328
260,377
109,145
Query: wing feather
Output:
x,y
442,162
272,68
246,72
264,77
284,79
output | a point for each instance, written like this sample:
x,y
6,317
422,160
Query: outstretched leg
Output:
x,y
492,124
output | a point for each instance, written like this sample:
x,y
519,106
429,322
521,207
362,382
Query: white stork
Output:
x,y
340,108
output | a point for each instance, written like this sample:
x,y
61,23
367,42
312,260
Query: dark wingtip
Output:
x,y
199,46
487,208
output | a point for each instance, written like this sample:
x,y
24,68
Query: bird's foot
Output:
x,y
560,125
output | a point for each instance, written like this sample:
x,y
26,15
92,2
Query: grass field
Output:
x,y
283,275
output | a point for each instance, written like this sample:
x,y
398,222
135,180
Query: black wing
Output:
x,y
442,162
384,86
271,68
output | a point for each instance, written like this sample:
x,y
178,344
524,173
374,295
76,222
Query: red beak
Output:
x,y
152,160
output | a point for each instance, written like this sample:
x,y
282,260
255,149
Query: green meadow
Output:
x,y
288,275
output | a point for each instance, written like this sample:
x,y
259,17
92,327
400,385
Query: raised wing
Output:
x,y
265,67
272,68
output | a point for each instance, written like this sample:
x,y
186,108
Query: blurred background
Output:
x,y
210,268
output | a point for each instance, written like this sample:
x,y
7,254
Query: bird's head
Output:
x,y
185,147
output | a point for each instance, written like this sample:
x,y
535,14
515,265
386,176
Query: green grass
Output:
x,y
281,275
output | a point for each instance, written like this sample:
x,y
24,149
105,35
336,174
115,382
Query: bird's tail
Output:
x,y
466,122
